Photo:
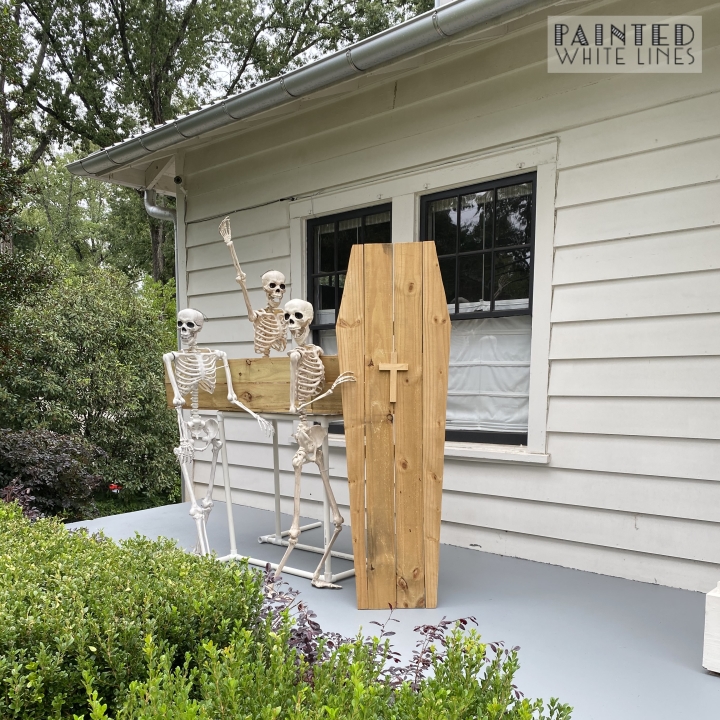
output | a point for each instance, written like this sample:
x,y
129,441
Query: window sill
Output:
x,y
484,452
477,452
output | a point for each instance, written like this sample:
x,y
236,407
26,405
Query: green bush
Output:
x,y
267,681
49,474
81,354
72,604
143,631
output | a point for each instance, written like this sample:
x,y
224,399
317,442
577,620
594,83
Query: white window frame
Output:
x,y
405,190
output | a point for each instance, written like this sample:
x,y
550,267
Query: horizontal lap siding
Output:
x,y
635,372
633,484
262,243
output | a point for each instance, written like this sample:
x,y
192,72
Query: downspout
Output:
x,y
169,215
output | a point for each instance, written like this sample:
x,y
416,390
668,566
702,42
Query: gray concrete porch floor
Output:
x,y
614,649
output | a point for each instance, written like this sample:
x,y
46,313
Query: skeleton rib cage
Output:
x,y
270,332
310,373
195,371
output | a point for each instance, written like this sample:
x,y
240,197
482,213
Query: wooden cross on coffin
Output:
x,y
393,333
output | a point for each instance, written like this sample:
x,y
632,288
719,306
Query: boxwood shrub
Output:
x,y
73,603
142,631
464,679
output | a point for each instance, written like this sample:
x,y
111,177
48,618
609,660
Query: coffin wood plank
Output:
x,y
436,356
263,384
408,296
379,466
350,331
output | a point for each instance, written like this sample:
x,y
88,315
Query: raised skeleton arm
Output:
x,y
226,234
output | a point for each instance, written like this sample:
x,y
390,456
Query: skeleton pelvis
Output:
x,y
310,439
205,430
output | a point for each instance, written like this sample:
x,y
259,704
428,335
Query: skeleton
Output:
x,y
307,372
307,376
190,370
269,323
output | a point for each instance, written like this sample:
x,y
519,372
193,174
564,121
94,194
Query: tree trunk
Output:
x,y
157,237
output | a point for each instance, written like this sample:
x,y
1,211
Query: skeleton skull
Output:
x,y
298,316
273,283
190,323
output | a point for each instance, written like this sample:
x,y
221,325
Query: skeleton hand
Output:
x,y
225,232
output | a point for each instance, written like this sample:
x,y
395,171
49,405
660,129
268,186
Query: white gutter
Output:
x,y
420,32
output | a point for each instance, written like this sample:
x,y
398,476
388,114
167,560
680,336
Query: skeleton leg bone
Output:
x,y
206,504
197,513
298,461
185,453
337,522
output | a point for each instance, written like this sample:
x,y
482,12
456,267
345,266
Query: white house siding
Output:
x,y
632,488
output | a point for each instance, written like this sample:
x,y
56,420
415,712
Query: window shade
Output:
x,y
489,375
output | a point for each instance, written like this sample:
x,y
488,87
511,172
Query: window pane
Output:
x,y
447,270
476,221
514,207
348,235
328,341
378,229
324,295
442,225
341,287
474,282
379,219
325,248
512,279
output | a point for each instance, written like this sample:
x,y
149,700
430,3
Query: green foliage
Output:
x,y
81,354
57,474
143,631
252,680
11,191
96,72
79,611
87,221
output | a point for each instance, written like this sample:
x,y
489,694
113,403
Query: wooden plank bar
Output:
x,y
263,384
408,301
436,357
350,335
379,455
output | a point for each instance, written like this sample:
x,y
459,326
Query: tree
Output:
x,y
92,73
100,70
81,354
87,221
11,189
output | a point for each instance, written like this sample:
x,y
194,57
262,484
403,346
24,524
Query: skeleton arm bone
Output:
x,y
265,426
294,363
168,359
342,378
224,230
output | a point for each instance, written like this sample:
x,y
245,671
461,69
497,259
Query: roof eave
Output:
x,y
423,31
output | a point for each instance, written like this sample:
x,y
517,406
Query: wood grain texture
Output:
x,y
379,456
263,384
350,335
436,357
408,294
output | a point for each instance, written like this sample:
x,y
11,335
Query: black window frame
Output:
x,y
336,218
425,200
478,436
